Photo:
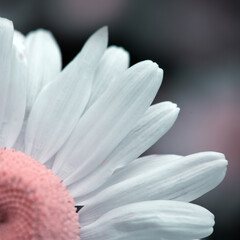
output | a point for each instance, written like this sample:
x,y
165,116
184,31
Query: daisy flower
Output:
x,y
73,137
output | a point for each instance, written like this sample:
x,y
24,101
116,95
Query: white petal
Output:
x,y
12,81
114,61
157,120
44,62
121,174
140,165
19,144
183,179
19,42
6,38
61,103
108,121
155,220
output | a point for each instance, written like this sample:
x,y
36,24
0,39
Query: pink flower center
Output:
x,y
34,205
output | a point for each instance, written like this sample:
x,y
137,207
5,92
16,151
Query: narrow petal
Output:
x,y
157,120
155,220
140,165
19,42
44,62
117,111
13,84
121,174
6,38
182,179
114,61
61,103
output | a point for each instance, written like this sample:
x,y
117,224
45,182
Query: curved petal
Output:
x,y
19,42
61,103
44,62
118,175
157,120
108,121
182,179
114,61
155,220
12,81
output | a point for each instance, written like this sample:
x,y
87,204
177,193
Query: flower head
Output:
x,y
88,124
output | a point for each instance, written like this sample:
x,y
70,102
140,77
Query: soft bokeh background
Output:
x,y
197,43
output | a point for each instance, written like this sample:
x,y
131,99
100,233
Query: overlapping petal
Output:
x,y
157,120
108,121
44,62
155,220
43,58
182,179
114,62
13,85
60,105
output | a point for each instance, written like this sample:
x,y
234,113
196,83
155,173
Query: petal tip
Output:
x,y
103,31
5,21
173,107
149,63
119,50
160,70
177,110
6,25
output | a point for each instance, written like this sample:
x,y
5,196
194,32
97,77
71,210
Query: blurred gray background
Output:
x,y
197,43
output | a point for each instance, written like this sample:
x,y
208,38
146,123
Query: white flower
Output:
x,y
89,123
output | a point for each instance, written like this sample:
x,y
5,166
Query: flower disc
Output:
x,y
34,205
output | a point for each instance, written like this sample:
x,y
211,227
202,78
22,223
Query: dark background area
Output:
x,y
197,43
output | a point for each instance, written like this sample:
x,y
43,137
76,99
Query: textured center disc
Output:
x,y
34,205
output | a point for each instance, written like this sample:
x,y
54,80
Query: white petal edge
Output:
x,y
182,179
155,220
114,61
157,120
118,175
61,103
19,42
44,62
108,121
13,84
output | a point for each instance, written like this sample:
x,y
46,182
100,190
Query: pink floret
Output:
x,y
34,205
